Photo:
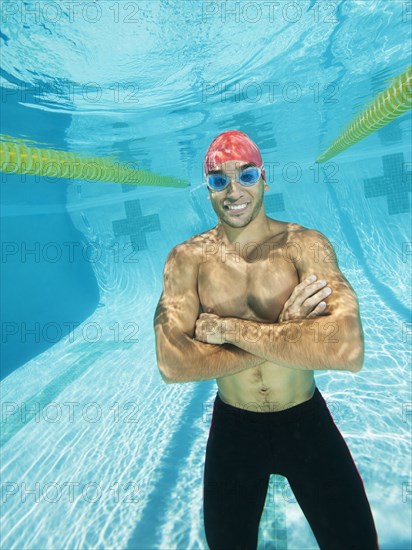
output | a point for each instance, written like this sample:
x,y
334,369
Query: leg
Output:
x,y
236,479
328,487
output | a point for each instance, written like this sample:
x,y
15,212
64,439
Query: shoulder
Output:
x,y
307,235
190,251
304,242
290,229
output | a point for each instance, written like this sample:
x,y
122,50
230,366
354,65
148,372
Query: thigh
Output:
x,y
329,488
236,478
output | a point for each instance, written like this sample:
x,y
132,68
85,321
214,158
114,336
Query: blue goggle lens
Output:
x,y
249,176
217,181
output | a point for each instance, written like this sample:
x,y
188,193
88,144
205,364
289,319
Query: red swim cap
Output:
x,y
232,145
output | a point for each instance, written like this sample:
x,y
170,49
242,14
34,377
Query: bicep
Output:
x,y
178,307
317,256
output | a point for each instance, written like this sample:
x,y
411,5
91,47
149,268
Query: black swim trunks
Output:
x,y
301,443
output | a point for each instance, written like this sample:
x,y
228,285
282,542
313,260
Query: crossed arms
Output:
x,y
193,348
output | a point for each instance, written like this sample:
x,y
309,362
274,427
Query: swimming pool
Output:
x,y
97,452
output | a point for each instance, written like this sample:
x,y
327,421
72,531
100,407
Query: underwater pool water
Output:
x,y
96,450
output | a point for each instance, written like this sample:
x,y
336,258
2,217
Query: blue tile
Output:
x,y
395,184
135,225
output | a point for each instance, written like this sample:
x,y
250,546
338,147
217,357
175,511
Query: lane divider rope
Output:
x,y
389,104
17,158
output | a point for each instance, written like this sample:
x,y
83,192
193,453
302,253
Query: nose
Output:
x,y
234,187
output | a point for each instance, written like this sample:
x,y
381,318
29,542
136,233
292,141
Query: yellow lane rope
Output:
x,y
17,158
389,104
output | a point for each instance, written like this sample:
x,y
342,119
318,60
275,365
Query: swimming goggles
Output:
x,y
247,177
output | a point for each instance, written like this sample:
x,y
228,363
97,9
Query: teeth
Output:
x,y
237,207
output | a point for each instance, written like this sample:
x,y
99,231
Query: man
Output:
x,y
238,305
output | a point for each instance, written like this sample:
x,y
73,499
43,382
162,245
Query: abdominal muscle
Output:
x,y
266,388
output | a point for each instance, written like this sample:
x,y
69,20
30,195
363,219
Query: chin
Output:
x,y
239,222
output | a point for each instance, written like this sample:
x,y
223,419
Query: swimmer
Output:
x,y
260,304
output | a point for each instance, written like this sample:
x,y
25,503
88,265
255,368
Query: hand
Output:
x,y
209,328
305,302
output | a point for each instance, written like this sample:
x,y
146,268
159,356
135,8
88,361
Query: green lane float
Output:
x,y
389,104
17,158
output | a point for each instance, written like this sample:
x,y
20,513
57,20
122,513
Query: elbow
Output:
x,y
164,365
170,378
167,379
349,365
353,365
173,366
358,355
357,365
352,355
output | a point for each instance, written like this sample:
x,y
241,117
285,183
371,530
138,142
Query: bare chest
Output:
x,y
246,286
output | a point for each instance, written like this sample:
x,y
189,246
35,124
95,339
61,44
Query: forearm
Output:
x,y
307,344
193,360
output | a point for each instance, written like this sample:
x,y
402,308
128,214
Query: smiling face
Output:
x,y
227,203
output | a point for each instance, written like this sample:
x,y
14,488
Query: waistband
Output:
x,y
315,403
